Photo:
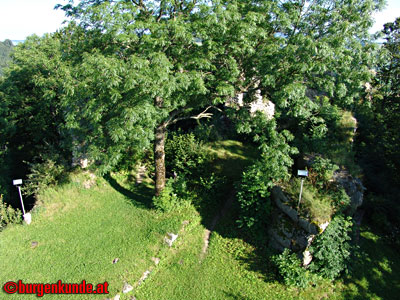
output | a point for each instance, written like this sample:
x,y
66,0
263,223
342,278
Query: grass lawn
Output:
x,y
79,232
232,157
230,270
376,274
234,269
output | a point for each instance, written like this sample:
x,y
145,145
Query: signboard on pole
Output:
x,y
17,181
302,173
27,216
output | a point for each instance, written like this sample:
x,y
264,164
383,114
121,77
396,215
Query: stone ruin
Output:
x,y
290,230
259,103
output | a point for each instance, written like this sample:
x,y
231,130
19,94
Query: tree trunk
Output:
x,y
159,151
159,157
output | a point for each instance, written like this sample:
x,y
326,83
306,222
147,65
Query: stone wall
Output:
x,y
289,230
353,187
258,103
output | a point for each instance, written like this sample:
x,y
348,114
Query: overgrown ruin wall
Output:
x,y
289,230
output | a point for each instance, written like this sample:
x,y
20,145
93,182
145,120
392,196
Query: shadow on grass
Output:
x,y
214,203
376,273
259,258
227,165
140,196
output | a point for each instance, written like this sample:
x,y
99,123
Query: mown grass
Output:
x,y
231,269
231,157
236,269
341,151
376,272
80,231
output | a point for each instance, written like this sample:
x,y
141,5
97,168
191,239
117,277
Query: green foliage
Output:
x,y
331,250
139,65
8,215
331,256
290,269
254,189
169,200
322,171
42,174
316,205
211,130
212,182
253,197
381,124
384,217
3,190
31,105
184,154
341,200
378,146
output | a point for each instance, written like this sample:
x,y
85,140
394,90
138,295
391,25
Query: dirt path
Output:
x,y
214,222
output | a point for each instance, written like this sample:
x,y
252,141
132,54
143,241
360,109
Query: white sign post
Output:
x,y
303,174
27,216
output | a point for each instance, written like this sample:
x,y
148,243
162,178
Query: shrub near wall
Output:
x,y
331,250
8,215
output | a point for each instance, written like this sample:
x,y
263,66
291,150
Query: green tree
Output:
x,y
388,109
4,132
379,139
30,114
379,136
143,65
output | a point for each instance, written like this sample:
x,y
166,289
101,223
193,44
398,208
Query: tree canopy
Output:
x,y
121,72
381,125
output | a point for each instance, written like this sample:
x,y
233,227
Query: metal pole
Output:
x,y
301,191
20,196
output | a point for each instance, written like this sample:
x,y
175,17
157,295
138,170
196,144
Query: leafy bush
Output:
x,y
184,153
8,215
180,188
173,196
42,174
254,189
211,182
331,250
331,254
340,198
207,132
253,196
167,200
289,267
322,171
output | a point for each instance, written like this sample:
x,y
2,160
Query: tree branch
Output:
x,y
203,114
162,6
